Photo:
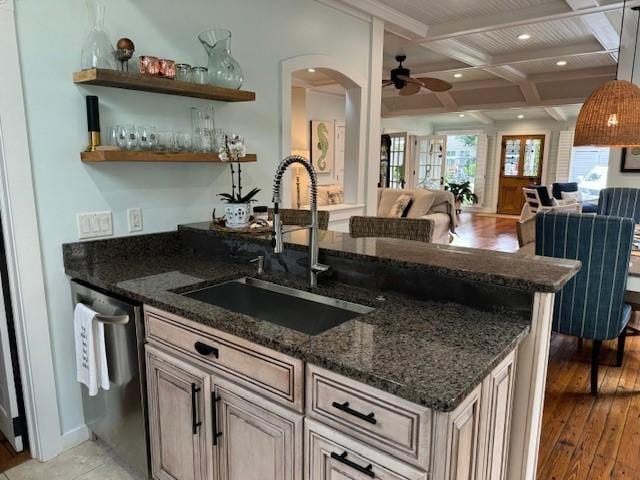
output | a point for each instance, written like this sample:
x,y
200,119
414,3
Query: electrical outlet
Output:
x,y
134,216
94,225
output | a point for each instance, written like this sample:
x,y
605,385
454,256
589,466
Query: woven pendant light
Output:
x,y
611,115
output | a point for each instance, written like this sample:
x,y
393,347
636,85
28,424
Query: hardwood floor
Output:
x,y
489,232
8,457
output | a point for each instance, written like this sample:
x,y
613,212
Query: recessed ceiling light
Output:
x,y
461,115
311,70
457,75
561,63
520,116
524,36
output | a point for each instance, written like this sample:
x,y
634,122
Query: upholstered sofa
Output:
x,y
434,206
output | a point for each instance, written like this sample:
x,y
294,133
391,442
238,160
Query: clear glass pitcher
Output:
x,y
224,70
97,50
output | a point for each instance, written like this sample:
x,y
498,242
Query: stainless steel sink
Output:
x,y
302,311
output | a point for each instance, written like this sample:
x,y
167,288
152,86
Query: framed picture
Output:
x,y
630,160
322,145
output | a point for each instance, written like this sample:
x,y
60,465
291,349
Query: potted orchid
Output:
x,y
237,211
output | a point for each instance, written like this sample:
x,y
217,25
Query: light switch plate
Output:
x,y
94,225
134,216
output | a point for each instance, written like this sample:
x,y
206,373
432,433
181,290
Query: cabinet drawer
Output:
x,y
274,375
333,456
378,418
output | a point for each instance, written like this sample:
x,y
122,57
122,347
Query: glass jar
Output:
x,y
183,72
199,75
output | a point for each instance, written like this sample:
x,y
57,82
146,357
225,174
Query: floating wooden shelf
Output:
x,y
147,83
144,156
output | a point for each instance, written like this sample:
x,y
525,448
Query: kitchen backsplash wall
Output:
x,y
50,37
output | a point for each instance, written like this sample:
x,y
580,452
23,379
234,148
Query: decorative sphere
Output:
x,y
125,44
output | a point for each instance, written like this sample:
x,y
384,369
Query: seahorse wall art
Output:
x,y
323,145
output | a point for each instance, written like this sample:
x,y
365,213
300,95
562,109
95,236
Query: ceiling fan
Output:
x,y
401,79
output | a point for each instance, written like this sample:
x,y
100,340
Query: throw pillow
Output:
x,y
422,203
400,206
336,197
575,196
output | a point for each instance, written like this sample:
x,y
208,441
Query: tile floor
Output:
x,y
88,461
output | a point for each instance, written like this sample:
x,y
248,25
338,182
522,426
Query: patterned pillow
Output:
x,y
336,197
400,206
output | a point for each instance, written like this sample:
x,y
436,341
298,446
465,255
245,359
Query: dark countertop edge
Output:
x,y
406,392
503,280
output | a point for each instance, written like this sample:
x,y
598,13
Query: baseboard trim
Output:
x,y
74,437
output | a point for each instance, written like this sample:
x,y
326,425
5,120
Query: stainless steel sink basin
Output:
x,y
302,311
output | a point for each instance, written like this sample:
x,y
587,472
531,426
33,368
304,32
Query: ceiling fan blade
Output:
x,y
386,83
410,80
435,84
409,89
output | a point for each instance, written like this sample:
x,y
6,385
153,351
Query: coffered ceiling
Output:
x,y
498,54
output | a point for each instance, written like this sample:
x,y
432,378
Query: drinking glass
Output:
x,y
122,135
166,141
112,136
132,137
144,138
183,72
183,141
153,137
199,75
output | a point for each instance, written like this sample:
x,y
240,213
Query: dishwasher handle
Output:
x,y
111,319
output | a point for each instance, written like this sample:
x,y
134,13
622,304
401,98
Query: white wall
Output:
x,y
50,36
514,127
411,125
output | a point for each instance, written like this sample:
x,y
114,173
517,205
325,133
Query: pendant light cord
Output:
x,y
624,9
635,50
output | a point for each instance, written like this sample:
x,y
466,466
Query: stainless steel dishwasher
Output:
x,y
118,416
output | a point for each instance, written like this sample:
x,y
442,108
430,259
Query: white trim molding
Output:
x,y
26,277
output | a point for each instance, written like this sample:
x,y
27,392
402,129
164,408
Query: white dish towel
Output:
x,y
91,355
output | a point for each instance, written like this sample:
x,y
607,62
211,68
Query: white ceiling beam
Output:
x,y
514,18
606,72
481,117
507,72
459,51
530,92
599,24
565,51
447,101
557,114
395,21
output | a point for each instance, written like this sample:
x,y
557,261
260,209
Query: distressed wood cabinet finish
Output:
x,y
272,374
323,445
258,439
249,400
178,431
401,428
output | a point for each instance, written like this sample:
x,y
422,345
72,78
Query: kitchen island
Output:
x,y
436,359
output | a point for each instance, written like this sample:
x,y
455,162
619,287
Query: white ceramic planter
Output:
x,y
237,215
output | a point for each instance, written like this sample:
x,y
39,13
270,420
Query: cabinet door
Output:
x,y
330,455
254,439
178,400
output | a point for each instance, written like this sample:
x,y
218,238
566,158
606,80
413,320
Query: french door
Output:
x,y
520,166
430,153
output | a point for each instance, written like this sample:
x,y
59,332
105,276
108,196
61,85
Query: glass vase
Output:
x,y
224,70
97,50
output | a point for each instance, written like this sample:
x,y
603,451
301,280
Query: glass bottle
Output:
x,y
97,50
224,70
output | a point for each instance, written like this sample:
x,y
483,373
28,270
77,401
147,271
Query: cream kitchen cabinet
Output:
x,y
223,408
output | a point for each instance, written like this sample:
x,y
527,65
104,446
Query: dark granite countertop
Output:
x,y
531,274
427,352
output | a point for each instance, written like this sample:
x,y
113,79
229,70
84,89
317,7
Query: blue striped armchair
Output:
x,y
620,202
591,305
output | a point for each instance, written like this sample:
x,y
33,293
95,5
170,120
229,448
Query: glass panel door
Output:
x,y
397,155
430,158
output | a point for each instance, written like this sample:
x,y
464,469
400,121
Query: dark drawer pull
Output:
x,y
206,350
194,408
345,408
342,458
214,418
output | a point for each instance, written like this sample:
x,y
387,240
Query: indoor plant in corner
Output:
x,y
462,193
237,211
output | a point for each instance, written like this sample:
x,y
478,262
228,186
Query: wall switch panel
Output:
x,y
94,225
134,216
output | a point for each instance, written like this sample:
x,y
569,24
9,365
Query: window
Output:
x,y
589,166
397,155
461,161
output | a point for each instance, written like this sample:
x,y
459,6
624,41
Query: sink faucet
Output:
x,y
315,268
